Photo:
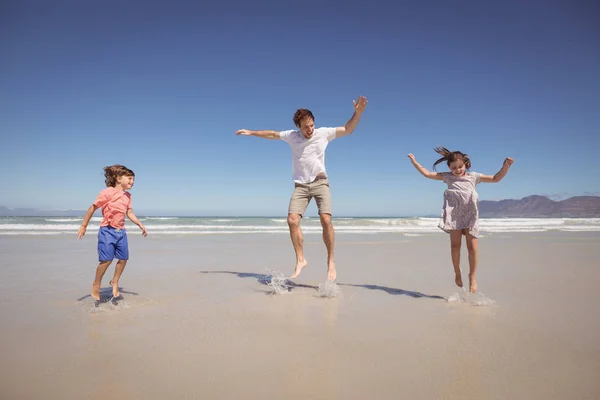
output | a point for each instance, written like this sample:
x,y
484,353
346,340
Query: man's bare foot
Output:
x,y
299,266
472,284
95,292
115,289
458,280
331,273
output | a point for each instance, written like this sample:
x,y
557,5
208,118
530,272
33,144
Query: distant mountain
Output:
x,y
32,212
541,206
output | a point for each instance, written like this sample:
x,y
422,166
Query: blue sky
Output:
x,y
161,87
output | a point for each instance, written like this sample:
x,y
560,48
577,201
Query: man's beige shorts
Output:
x,y
304,192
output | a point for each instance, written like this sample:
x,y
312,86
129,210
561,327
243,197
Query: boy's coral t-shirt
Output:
x,y
115,203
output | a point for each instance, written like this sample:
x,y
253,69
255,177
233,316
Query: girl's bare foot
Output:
x,y
115,289
298,269
95,291
472,284
458,280
331,273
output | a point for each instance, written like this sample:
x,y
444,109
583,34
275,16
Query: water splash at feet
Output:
x,y
279,283
329,289
475,299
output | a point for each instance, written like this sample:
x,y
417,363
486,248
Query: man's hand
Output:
x,y
143,228
81,231
508,162
412,158
360,105
244,132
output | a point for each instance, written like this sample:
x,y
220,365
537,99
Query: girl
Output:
x,y
460,215
112,238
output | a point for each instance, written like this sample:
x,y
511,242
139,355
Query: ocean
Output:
x,y
243,225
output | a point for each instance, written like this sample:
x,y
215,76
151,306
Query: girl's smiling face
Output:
x,y
457,167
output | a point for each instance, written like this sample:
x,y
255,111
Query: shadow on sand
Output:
x,y
396,292
106,296
265,279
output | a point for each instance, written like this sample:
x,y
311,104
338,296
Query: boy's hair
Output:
x,y
112,172
300,114
451,156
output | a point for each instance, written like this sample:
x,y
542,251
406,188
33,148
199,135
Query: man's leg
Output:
x,y
322,194
297,240
329,239
298,203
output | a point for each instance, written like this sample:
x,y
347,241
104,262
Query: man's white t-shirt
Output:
x,y
308,155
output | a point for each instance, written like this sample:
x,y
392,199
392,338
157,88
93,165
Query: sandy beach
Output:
x,y
198,319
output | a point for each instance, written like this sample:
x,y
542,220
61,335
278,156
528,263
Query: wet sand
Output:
x,y
197,319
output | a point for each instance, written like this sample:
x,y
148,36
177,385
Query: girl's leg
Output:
x,y
100,270
455,243
115,280
473,247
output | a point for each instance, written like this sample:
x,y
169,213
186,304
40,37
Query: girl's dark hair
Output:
x,y
300,114
112,172
451,156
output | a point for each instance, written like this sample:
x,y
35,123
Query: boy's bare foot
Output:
x,y
299,266
331,273
95,292
472,284
115,289
458,280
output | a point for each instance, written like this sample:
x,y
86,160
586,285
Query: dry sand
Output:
x,y
197,320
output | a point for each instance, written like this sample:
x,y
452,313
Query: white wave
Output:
x,y
42,227
159,218
407,226
29,233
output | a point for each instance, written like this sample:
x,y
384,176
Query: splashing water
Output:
x,y
329,289
480,299
475,299
279,283
107,304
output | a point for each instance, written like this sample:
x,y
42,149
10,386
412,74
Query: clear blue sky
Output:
x,y
161,87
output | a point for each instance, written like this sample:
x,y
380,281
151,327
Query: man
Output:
x,y
308,170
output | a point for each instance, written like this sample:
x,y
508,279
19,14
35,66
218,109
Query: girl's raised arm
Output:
x,y
499,175
427,174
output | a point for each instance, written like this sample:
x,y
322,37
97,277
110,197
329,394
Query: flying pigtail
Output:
x,y
467,161
444,152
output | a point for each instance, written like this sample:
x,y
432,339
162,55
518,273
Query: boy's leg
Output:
x,y
322,194
455,243
473,247
115,280
106,253
298,203
100,270
122,254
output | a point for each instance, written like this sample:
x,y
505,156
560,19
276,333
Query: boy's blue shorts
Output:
x,y
112,243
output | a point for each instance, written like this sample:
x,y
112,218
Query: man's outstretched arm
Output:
x,y
359,107
273,135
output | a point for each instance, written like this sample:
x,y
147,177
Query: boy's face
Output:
x,y
125,182
307,127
